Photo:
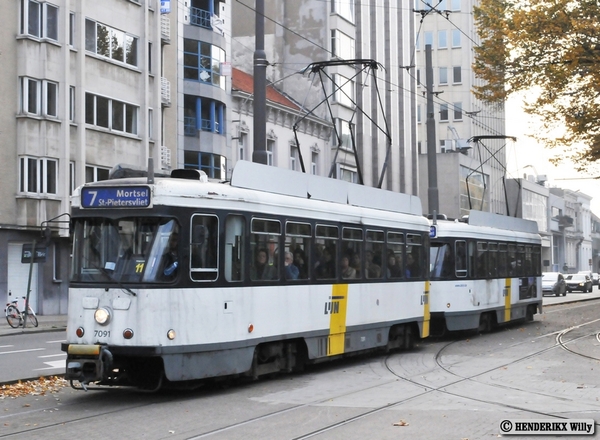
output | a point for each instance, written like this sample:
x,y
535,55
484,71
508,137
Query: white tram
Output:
x,y
182,279
485,270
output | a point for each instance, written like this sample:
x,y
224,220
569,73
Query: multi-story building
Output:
x,y
301,32
478,173
81,92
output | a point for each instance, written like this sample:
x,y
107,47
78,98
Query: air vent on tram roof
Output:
x,y
189,174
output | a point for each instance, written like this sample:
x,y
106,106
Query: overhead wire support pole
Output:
x,y
432,191
259,153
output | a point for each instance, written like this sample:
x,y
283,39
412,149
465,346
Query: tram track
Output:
x,y
430,362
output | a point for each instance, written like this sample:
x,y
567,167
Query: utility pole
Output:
x,y
259,153
432,192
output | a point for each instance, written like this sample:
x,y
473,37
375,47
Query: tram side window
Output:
x,y
374,254
537,261
395,250
204,248
264,245
298,237
492,260
415,256
460,257
326,238
352,240
502,260
520,270
235,231
482,260
441,260
472,258
529,269
512,260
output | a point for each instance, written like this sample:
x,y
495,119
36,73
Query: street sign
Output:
x,y
39,256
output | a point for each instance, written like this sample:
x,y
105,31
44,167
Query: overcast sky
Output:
x,y
526,151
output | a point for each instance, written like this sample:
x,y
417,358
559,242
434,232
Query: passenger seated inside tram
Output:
x,y
345,268
291,271
170,259
261,270
394,266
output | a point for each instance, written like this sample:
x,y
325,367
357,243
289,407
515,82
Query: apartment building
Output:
x,y
81,87
465,127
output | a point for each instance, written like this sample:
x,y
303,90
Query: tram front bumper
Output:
x,y
88,363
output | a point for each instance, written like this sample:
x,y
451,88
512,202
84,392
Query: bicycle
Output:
x,y
17,318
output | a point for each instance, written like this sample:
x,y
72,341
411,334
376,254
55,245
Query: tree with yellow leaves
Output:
x,y
552,46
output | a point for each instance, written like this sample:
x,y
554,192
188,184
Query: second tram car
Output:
x,y
182,279
485,270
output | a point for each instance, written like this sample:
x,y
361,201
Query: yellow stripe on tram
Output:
x,y
426,314
507,297
338,304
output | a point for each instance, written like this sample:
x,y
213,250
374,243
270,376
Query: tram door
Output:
x,y
18,277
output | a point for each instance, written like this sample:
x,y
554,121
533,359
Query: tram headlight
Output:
x,y
102,315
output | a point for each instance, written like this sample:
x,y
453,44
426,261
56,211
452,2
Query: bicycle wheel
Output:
x,y
13,316
33,319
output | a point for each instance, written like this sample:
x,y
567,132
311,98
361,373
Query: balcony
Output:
x,y
165,91
165,29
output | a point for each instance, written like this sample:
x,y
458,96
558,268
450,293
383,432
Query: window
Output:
x,y
72,103
211,116
345,130
351,256
343,90
347,173
111,114
326,239
110,43
457,75
395,252
374,254
39,19
213,165
455,5
202,62
242,141
204,248
342,46
234,248
38,175
297,243
428,37
39,97
458,111
270,151
443,112
345,8
443,75
455,38
442,39
419,113
415,256
95,174
264,243
314,163
294,158
71,29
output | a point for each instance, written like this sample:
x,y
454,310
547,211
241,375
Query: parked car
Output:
x,y
579,281
553,283
595,278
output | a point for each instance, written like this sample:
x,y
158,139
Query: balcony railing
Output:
x,y
165,91
165,28
200,17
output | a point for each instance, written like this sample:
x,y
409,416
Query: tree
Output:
x,y
552,46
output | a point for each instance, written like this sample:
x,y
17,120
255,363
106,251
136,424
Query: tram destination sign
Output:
x,y
116,197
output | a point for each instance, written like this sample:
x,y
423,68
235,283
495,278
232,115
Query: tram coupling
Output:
x,y
88,363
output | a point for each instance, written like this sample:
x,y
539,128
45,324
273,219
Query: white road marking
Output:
x,y
22,351
53,355
53,365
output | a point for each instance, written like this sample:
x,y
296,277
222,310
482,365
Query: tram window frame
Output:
x,y
299,244
415,245
271,245
395,244
326,236
502,260
374,245
204,272
234,248
352,244
492,259
481,257
461,262
520,260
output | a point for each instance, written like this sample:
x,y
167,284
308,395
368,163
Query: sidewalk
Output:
x,y
47,323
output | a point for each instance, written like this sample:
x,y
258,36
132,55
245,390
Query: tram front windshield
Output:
x,y
127,250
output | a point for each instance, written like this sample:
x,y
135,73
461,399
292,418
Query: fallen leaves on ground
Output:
x,y
39,387
401,423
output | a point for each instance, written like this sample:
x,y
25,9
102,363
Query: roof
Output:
x,y
244,82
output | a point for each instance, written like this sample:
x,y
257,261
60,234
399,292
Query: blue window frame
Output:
x,y
214,165
203,114
202,62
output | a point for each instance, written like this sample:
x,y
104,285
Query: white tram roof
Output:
x,y
279,191
481,224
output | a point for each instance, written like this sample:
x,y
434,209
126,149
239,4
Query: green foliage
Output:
x,y
552,46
